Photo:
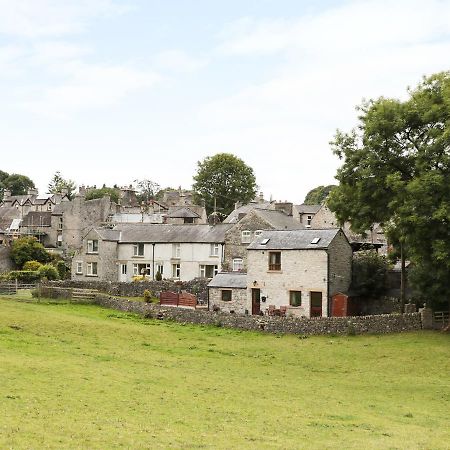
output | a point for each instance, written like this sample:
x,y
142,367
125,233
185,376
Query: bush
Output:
x,y
32,265
369,274
24,276
28,249
147,296
158,276
48,271
62,269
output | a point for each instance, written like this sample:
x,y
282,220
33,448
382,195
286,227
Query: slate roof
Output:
x,y
307,209
233,217
37,219
183,213
279,220
165,233
7,214
237,280
294,239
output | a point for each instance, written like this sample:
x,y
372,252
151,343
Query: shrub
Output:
x,y
158,276
32,265
147,296
369,274
24,276
62,269
28,249
48,271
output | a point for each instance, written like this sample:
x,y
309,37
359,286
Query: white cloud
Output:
x,y
178,61
89,87
47,18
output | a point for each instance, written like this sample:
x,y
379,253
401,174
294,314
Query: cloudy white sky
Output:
x,y
109,91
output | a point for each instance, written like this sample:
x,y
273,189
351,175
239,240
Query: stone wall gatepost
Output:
x,y
410,308
426,315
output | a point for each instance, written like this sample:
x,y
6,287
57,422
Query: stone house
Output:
x,y
179,252
250,226
228,292
298,270
305,214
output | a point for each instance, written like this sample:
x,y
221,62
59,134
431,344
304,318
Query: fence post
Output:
x,y
17,285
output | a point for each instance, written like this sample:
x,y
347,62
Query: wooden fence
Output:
x,y
440,319
174,299
9,288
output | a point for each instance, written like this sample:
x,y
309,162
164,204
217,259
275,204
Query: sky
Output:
x,y
111,91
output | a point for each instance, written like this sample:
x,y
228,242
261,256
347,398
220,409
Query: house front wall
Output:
x,y
106,259
191,257
301,270
237,304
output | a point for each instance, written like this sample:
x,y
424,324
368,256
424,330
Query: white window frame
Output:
x,y
79,268
246,236
238,265
123,269
138,249
92,246
92,269
159,267
258,233
176,271
135,269
203,270
176,250
214,250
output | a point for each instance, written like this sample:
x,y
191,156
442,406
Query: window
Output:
x,y
274,260
138,249
176,271
135,269
295,298
246,237
92,246
208,271
123,269
214,250
308,221
258,233
238,264
315,240
79,269
226,295
92,269
159,267
176,250
59,240
49,207
60,223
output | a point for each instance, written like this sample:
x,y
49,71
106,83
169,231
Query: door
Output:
x,y
122,273
256,301
316,304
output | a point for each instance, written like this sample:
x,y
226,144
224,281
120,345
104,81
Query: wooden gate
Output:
x,y
183,299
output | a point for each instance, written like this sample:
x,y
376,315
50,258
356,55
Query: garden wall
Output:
x,y
197,287
315,326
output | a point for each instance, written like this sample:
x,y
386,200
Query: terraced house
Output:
x,y
180,252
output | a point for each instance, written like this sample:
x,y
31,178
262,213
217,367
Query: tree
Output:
x,y
221,181
3,177
318,195
369,274
59,185
147,190
397,172
103,192
18,184
28,249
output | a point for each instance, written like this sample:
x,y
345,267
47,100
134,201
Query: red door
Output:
x,y
256,301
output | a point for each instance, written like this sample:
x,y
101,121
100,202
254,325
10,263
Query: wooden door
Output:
x,y
256,301
316,304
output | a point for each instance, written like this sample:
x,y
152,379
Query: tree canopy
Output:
x,y
59,185
147,190
396,171
318,195
28,249
221,181
113,193
16,183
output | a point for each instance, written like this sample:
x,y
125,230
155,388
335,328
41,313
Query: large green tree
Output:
x,y
59,185
147,190
396,171
28,249
221,181
318,195
104,191
16,183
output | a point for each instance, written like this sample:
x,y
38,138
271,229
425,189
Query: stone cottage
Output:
x,y
228,292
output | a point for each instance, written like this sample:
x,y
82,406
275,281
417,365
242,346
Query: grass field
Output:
x,y
79,376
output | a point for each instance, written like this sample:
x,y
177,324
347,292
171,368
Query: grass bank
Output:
x,y
76,376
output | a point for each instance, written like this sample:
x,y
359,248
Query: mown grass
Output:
x,y
79,376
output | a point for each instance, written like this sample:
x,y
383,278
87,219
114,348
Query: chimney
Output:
x,y
285,207
82,190
6,194
32,191
261,197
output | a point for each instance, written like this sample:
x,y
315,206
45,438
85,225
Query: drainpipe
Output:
x,y
153,261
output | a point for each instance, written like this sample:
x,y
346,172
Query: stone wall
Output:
x,y
198,287
316,326
340,263
237,304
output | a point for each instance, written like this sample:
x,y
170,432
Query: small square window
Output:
x,y
138,249
295,298
274,260
226,295
246,237
92,246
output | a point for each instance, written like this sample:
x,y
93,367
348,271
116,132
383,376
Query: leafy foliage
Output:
x,y
59,185
147,190
369,275
226,179
16,183
32,265
28,249
318,195
397,172
48,271
25,276
113,193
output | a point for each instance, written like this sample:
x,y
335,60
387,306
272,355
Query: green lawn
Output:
x,y
79,376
